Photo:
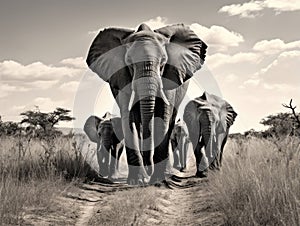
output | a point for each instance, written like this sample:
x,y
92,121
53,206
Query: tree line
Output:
x,y
278,125
36,123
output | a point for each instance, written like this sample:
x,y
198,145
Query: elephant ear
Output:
x,y
230,116
91,128
186,54
117,127
106,57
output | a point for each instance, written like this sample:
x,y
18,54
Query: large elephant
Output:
x,y
180,143
208,119
107,133
148,74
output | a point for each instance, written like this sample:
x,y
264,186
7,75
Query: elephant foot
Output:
x,y
137,178
202,174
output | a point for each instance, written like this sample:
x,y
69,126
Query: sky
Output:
x,y
253,56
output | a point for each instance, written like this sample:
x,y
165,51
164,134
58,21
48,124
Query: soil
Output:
x,y
182,200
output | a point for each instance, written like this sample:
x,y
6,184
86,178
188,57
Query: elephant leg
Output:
x,y
119,149
161,158
136,170
185,152
176,163
201,160
182,150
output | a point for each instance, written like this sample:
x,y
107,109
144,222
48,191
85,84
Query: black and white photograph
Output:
x,y
149,112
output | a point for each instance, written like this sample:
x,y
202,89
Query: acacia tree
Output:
x,y
46,122
279,124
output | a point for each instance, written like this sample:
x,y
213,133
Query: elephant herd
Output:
x,y
148,72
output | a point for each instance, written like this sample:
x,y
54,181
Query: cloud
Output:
x,y
153,23
280,6
283,70
77,62
12,70
71,86
282,73
253,8
157,22
248,9
6,89
275,46
43,85
220,59
217,36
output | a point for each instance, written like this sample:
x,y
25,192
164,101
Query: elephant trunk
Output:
x,y
104,156
207,135
147,85
147,89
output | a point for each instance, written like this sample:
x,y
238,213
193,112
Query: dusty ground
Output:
x,y
185,201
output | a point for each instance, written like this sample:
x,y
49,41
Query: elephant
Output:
x,y
208,119
148,72
107,133
180,143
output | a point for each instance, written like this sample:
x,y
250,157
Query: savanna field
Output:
x,y
258,184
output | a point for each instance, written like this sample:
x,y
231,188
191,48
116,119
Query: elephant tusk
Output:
x,y
162,93
200,102
132,97
163,96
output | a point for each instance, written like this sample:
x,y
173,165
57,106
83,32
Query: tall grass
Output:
x,y
259,183
33,172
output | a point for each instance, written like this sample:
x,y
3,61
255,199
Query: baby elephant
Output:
x,y
208,119
180,143
107,133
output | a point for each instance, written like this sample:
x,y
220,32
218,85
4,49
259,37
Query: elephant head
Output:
x,y
107,133
209,118
144,68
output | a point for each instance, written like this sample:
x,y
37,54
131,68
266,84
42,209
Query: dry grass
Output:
x,y
33,172
259,182
127,208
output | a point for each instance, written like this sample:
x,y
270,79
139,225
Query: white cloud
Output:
x,y
220,59
217,36
153,23
12,70
279,5
42,85
6,89
156,23
77,62
252,8
69,86
252,82
281,74
248,9
275,46
283,70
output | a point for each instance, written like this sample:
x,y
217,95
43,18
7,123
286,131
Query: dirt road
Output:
x,y
185,201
